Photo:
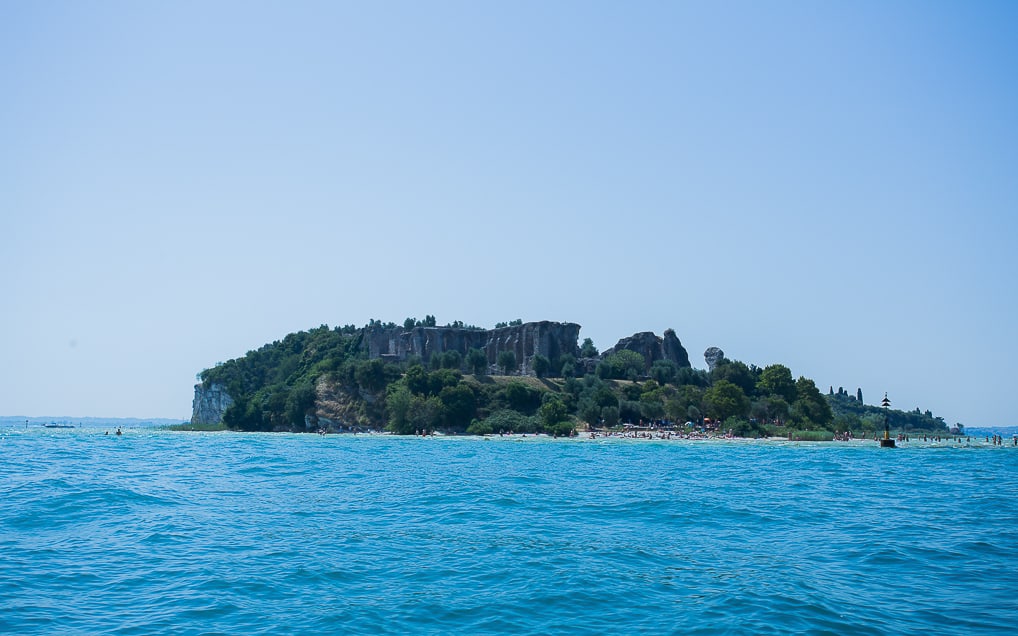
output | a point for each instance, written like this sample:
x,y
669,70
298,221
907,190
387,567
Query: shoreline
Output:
x,y
583,437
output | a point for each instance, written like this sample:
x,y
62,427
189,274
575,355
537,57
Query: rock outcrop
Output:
x,y
673,349
209,404
653,348
549,339
712,356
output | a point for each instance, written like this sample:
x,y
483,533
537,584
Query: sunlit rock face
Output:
x,y
209,404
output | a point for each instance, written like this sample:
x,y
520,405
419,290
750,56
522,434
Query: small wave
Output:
x,y
273,534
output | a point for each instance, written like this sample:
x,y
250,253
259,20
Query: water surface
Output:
x,y
268,533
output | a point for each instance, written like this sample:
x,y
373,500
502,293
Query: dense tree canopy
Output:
x,y
725,399
737,373
776,379
284,386
622,364
810,409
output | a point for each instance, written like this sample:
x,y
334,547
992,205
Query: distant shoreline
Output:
x,y
84,422
948,441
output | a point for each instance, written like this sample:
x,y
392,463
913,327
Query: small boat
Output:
x,y
55,425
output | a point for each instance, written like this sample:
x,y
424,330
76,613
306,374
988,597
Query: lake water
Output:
x,y
189,533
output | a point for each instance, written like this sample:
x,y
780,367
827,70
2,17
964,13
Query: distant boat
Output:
x,y
55,425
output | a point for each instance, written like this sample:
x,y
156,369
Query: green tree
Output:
x,y
587,349
810,408
724,400
451,359
477,361
847,422
603,396
300,402
398,403
426,413
631,391
735,372
689,395
553,411
624,364
417,380
777,408
744,428
459,405
610,416
422,382
758,410
629,411
509,421
688,376
567,368
507,361
370,374
588,411
664,371
482,427
652,409
541,365
776,379
521,397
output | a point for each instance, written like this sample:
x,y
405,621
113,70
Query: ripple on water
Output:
x,y
284,533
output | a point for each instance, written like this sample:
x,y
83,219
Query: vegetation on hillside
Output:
x,y
280,387
851,414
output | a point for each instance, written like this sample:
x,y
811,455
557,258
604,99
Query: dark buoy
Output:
x,y
887,442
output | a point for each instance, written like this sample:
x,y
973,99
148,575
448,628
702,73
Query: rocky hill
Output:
x,y
304,368
524,377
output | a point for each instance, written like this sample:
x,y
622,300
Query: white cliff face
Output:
x,y
209,404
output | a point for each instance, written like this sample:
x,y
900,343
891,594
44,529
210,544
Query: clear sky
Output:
x,y
828,185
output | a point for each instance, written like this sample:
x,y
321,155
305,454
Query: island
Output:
x,y
521,377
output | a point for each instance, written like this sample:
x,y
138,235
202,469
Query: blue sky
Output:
x,y
831,186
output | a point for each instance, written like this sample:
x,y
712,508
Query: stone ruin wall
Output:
x,y
550,339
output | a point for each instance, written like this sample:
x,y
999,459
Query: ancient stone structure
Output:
x,y
209,404
338,411
549,339
653,348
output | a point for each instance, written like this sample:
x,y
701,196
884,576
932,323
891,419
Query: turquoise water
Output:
x,y
157,532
